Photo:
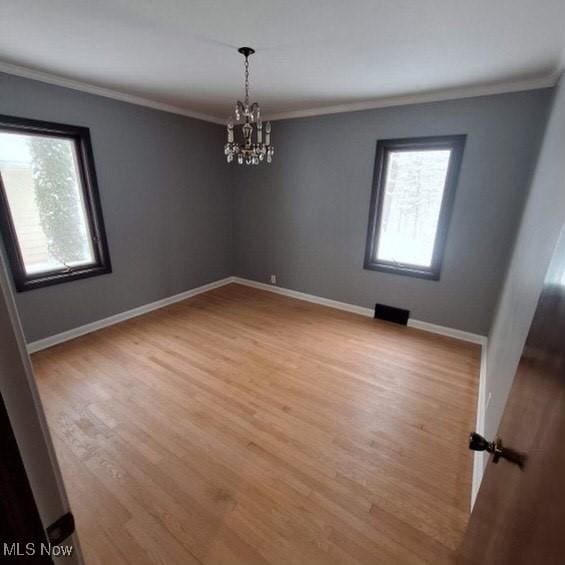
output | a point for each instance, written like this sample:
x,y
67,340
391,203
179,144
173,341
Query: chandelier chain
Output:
x,y
246,81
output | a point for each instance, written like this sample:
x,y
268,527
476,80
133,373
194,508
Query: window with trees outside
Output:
x,y
413,193
49,205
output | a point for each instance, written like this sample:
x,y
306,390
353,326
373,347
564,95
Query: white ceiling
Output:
x,y
310,54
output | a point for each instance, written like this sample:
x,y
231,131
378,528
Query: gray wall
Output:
x,y
304,218
178,217
543,218
166,199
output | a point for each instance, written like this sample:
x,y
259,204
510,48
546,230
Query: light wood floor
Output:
x,y
241,426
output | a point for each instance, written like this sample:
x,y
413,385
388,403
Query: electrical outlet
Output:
x,y
273,279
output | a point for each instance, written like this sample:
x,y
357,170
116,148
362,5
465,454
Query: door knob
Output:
x,y
478,443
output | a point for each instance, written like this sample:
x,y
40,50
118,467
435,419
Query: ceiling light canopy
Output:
x,y
247,150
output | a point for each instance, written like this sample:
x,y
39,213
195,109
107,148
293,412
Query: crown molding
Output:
x,y
432,96
401,100
49,78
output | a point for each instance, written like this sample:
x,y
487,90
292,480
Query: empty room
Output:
x,y
282,282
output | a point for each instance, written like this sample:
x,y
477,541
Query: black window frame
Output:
x,y
80,136
456,144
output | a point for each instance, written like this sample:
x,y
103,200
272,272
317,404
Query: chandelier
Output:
x,y
247,151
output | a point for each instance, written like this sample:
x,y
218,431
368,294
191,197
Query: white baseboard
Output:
x,y
479,460
369,312
111,320
307,297
450,332
362,311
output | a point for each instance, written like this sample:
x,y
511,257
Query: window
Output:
x,y
49,206
413,192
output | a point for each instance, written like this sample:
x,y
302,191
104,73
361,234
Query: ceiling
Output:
x,y
311,54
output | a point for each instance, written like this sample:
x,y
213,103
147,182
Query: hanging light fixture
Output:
x,y
247,151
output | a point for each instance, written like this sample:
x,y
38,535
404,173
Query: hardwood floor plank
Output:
x,y
244,427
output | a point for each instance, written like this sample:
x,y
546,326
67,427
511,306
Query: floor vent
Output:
x,y
391,314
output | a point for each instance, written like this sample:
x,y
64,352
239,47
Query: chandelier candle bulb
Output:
x,y
247,151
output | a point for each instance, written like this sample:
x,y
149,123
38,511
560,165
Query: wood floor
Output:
x,y
240,426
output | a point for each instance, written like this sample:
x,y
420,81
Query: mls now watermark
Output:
x,y
35,549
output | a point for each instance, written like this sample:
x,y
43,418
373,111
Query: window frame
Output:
x,y
455,143
80,136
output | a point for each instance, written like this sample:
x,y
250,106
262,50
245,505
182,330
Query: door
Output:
x,y
519,515
24,423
